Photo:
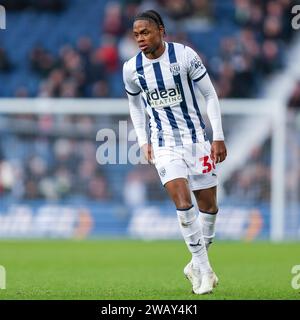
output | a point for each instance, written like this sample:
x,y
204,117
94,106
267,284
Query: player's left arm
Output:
x,y
218,148
197,72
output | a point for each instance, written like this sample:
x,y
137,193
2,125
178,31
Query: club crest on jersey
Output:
x,y
175,68
164,98
162,172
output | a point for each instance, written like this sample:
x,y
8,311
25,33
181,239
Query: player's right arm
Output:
x,y
136,110
138,119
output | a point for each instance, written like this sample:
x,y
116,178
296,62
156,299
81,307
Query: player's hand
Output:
x,y
148,152
218,151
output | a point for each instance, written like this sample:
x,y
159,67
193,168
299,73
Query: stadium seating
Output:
x,y
54,30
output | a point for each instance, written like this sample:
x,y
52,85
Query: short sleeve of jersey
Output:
x,y
130,86
195,67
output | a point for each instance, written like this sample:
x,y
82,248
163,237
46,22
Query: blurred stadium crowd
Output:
x,y
74,49
240,42
59,162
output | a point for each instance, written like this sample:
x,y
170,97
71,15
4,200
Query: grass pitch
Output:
x,y
130,270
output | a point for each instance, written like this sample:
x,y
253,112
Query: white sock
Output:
x,y
191,230
208,222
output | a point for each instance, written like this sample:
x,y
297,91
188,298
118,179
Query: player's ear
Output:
x,y
162,31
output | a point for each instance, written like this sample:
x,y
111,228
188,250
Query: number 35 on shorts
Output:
x,y
207,164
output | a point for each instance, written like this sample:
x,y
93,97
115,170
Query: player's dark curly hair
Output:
x,y
153,16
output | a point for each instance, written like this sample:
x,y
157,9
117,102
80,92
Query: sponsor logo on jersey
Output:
x,y
164,98
175,68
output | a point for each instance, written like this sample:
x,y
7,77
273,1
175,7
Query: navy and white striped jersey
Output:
x,y
166,85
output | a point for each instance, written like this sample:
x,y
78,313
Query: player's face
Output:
x,y
147,35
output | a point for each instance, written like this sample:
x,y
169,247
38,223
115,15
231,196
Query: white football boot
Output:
x,y
208,282
194,275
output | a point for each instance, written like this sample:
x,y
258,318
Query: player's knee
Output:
x,y
212,209
183,205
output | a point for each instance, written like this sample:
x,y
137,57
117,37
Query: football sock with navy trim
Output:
x,y
208,221
191,230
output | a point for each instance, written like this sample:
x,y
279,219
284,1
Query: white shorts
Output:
x,y
191,162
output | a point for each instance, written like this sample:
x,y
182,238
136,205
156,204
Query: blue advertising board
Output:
x,y
97,219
